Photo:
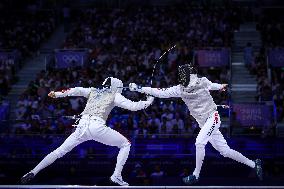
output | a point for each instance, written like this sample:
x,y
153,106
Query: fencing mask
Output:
x,y
186,73
114,84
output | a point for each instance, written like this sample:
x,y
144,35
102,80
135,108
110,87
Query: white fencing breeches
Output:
x,y
90,129
210,133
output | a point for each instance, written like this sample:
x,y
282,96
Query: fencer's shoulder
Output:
x,y
93,89
175,87
178,86
119,96
85,88
82,87
204,79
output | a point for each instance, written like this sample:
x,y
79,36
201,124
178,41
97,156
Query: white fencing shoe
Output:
x,y
118,180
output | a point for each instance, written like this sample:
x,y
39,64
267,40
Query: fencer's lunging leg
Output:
x,y
121,158
212,124
220,144
200,154
108,136
66,147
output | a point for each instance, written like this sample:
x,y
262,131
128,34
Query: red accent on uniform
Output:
x,y
216,117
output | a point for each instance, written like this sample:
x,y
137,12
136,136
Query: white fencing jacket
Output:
x,y
101,101
196,96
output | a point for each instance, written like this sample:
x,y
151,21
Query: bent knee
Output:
x,y
57,153
60,152
124,144
127,144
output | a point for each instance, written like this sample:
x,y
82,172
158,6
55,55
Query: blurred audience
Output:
x,y
22,32
273,89
25,30
125,44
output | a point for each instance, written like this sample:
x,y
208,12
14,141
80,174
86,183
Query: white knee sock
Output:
x,y
200,154
49,159
237,156
121,159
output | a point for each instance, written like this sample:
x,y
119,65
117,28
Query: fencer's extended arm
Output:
x,y
213,86
174,91
77,91
125,103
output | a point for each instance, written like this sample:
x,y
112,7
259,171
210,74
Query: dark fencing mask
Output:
x,y
184,72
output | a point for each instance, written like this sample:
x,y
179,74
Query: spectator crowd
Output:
x,y
125,44
22,32
270,79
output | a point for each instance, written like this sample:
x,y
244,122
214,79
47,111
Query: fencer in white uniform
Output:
x,y
92,124
195,92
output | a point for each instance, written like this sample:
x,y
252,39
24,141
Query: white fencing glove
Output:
x,y
150,99
135,87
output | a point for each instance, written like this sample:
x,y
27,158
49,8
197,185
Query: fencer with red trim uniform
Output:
x,y
92,125
195,92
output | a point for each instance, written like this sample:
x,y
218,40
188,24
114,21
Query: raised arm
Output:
x,y
156,92
125,103
214,86
77,91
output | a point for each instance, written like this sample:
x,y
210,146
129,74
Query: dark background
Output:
x,y
124,39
